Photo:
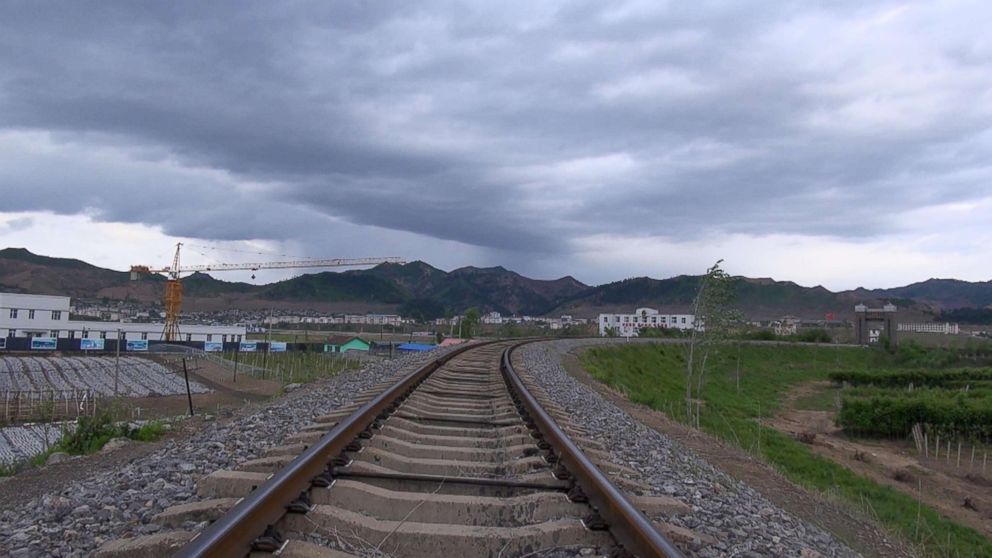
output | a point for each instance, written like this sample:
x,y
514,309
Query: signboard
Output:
x,y
3,342
330,348
44,343
249,346
91,344
277,347
137,345
213,347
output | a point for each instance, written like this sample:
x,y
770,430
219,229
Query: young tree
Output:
x,y
715,315
470,324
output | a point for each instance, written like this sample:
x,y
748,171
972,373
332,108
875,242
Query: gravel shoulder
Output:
x,y
740,501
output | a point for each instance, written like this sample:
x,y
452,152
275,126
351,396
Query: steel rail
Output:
x,y
235,532
628,525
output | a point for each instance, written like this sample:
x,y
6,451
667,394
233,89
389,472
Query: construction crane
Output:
x,y
173,299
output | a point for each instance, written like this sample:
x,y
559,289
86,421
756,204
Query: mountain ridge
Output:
x,y
432,291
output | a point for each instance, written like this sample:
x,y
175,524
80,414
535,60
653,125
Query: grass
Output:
x,y
89,436
822,400
654,375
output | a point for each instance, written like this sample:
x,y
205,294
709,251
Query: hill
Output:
x,y
944,294
383,288
418,288
760,299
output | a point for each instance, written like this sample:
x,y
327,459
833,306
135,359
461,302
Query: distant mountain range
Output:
x,y
422,290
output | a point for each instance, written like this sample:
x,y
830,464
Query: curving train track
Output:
x,y
462,457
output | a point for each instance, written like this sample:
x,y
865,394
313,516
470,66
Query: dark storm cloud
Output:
x,y
517,128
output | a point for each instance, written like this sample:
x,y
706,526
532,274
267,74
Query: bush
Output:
x,y
903,378
761,335
895,416
92,433
814,336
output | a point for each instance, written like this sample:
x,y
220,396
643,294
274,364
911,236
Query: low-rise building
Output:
x,y
493,318
788,325
628,325
24,315
931,327
346,343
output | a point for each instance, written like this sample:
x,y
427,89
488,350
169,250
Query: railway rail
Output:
x,y
460,457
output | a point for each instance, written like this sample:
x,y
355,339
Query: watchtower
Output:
x,y
872,323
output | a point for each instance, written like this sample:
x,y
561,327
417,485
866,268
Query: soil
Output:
x,y
937,483
846,523
227,392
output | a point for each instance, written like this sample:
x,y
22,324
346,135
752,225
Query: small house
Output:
x,y
345,343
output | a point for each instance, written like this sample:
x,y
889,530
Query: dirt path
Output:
x,y
845,523
890,463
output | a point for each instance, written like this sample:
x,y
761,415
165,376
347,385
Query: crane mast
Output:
x,y
173,299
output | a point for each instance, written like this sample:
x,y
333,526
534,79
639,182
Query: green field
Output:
x,y
732,406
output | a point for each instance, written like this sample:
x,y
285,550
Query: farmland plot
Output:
x,y
138,377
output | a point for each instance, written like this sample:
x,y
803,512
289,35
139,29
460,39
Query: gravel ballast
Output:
x,y
742,522
77,520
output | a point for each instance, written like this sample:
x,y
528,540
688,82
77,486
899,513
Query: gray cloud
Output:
x,y
517,128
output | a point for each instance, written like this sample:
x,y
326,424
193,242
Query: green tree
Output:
x,y
469,325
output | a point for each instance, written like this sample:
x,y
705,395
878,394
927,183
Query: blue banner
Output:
x,y
44,343
91,344
277,347
249,346
213,347
3,342
137,345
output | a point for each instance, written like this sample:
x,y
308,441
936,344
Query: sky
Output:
x,y
838,143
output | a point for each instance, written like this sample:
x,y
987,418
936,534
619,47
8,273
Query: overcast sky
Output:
x,y
835,143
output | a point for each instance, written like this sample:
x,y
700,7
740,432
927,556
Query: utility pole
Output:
x,y
189,395
236,351
117,361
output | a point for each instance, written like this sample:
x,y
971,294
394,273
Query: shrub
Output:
x,y
814,336
895,416
903,378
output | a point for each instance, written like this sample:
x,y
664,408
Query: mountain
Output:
x,y
382,288
756,298
945,294
418,288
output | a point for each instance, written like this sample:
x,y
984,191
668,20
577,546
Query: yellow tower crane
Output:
x,y
173,298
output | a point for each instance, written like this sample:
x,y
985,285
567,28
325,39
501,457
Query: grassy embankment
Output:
x,y
654,375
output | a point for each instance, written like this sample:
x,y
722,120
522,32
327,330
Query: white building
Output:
x,y
24,315
493,318
628,325
789,325
931,327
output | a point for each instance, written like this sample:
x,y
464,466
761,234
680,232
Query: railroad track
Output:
x,y
459,458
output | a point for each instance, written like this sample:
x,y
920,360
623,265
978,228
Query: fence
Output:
x,y
950,452
48,405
